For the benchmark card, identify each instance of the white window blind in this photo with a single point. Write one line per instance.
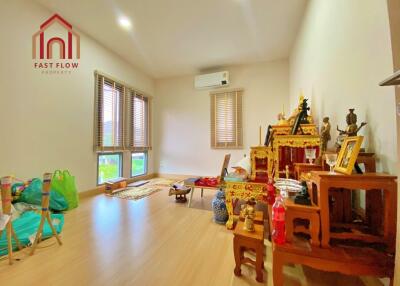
(109, 114)
(122, 117)
(226, 119)
(139, 122)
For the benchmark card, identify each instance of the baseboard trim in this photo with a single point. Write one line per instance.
(139, 178)
(175, 176)
(92, 192)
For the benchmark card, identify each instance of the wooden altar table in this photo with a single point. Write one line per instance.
(322, 181)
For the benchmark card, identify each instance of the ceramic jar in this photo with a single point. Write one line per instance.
(219, 207)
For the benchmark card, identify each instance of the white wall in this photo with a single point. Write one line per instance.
(182, 117)
(46, 121)
(341, 54)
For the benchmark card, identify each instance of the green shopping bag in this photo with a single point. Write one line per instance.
(64, 184)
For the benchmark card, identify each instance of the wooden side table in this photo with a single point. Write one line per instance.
(310, 213)
(244, 240)
(300, 168)
(322, 181)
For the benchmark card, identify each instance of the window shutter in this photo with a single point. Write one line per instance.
(226, 119)
(109, 115)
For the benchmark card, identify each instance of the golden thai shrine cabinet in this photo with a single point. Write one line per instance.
(289, 149)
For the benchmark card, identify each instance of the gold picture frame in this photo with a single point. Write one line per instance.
(348, 154)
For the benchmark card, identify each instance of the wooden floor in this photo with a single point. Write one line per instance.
(153, 241)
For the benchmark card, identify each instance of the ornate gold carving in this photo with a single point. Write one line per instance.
(295, 141)
(241, 190)
(308, 129)
(261, 152)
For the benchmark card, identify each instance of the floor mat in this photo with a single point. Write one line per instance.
(153, 186)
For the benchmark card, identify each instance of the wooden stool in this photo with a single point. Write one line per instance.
(310, 213)
(45, 213)
(244, 240)
(6, 202)
(258, 219)
(115, 184)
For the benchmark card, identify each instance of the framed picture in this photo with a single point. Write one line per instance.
(348, 154)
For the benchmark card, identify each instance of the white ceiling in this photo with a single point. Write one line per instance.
(176, 37)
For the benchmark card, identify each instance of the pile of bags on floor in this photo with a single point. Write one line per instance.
(26, 207)
(63, 193)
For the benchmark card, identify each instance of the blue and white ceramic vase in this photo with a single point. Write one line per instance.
(219, 207)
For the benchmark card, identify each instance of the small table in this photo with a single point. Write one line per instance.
(244, 191)
(192, 185)
(300, 168)
(370, 182)
(244, 240)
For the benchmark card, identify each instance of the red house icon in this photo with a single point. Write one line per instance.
(46, 50)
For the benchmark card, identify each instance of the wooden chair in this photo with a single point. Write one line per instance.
(303, 212)
(45, 213)
(6, 202)
(244, 240)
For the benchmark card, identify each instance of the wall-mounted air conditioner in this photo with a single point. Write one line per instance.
(211, 80)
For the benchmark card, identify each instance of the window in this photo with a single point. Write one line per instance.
(226, 119)
(121, 125)
(109, 121)
(122, 117)
(138, 164)
(109, 166)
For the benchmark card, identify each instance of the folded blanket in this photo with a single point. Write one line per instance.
(26, 226)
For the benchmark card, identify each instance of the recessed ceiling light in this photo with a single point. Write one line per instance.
(125, 23)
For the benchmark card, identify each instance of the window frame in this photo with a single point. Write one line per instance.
(146, 170)
(121, 165)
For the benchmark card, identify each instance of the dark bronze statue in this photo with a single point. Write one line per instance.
(351, 129)
(325, 133)
(302, 117)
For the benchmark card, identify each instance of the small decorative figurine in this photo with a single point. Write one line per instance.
(249, 213)
(282, 117)
(287, 171)
(325, 133)
(351, 129)
(303, 198)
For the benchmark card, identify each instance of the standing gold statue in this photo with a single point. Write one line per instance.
(325, 133)
(351, 129)
(249, 214)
